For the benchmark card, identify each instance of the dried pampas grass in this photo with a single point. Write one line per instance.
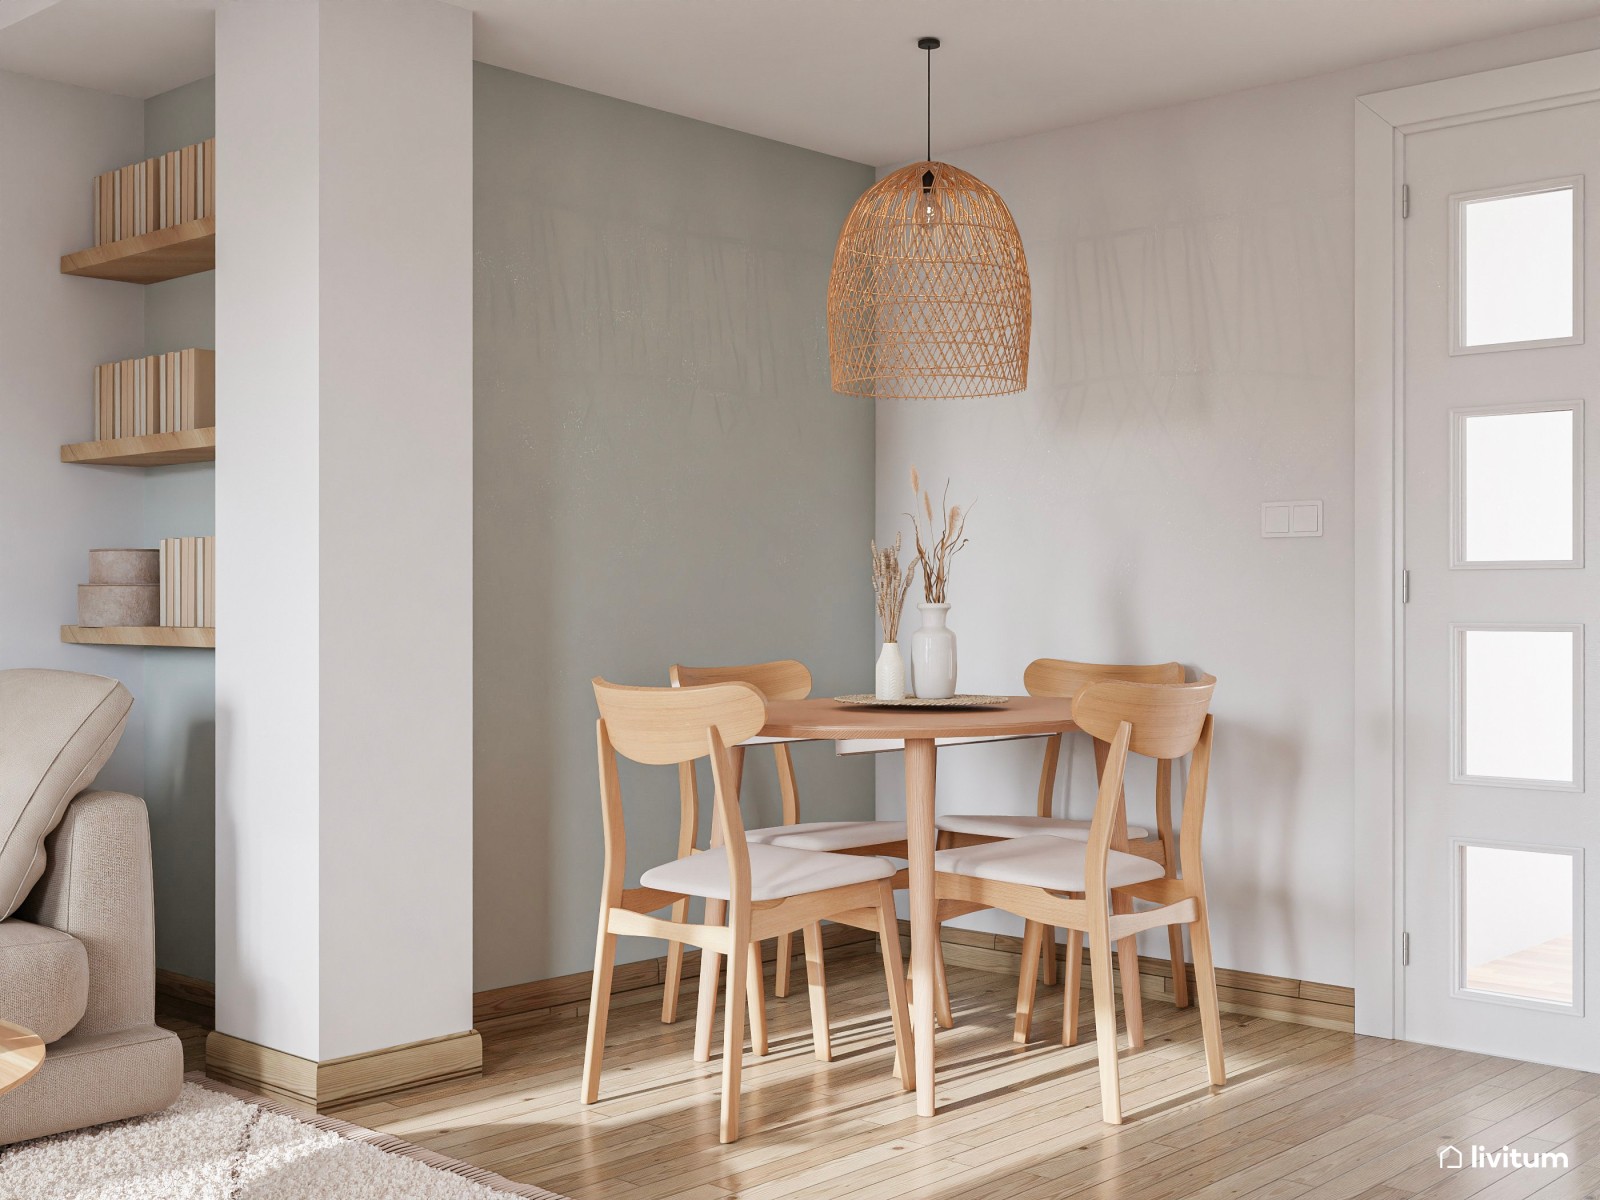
(890, 586)
(934, 556)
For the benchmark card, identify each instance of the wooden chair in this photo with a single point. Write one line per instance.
(1059, 677)
(785, 679)
(767, 890)
(1077, 885)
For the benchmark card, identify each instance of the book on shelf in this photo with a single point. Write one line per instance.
(159, 393)
(188, 573)
(166, 190)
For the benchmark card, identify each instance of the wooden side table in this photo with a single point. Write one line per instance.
(21, 1053)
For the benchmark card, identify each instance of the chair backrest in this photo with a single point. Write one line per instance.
(785, 679)
(1166, 717)
(672, 725)
(1163, 721)
(676, 725)
(1060, 677)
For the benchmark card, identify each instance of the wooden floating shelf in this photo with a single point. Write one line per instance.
(178, 636)
(149, 450)
(169, 253)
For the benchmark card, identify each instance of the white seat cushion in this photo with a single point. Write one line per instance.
(776, 873)
(1042, 861)
(830, 835)
(1003, 826)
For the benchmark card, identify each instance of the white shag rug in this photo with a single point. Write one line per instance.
(219, 1144)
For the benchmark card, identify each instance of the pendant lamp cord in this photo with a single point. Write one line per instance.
(930, 103)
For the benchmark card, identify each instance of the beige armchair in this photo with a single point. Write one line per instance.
(77, 957)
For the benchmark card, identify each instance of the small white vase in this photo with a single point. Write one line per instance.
(933, 655)
(891, 673)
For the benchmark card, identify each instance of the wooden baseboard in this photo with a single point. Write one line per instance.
(552, 997)
(1301, 1002)
(1298, 1001)
(186, 997)
(337, 1081)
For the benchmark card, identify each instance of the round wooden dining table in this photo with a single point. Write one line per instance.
(919, 729)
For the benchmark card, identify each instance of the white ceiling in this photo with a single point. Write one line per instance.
(130, 47)
(845, 76)
(840, 76)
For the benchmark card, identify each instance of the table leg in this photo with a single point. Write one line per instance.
(920, 768)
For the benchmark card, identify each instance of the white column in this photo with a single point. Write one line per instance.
(344, 519)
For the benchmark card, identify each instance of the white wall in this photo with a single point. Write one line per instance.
(54, 328)
(344, 344)
(180, 700)
(1192, 282)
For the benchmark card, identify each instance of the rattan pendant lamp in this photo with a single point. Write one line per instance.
(929, 296)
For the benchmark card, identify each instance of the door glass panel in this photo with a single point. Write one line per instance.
(1517, 711)
(1515, 485)
(1515, 258)
(1516, 922)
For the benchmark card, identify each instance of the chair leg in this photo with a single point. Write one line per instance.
(1128, 961)
(1072, 981)
(817, 989)
(942, 1015)
(669, 997)
(733, 1043)
(755, 997)
(1205, 979)
(1180, 970)
(1027, 982)
(1105, 1024)
(710, 965)
(780, 978)
(894, 973)
(1048, 947)
(605, 957)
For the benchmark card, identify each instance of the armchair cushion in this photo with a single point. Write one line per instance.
(44, 978)
(57, 728)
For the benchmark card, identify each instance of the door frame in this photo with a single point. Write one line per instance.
(1383, 120)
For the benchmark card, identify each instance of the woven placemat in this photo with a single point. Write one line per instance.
(867, 700)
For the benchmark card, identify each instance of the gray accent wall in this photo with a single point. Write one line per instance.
(663, 474)
(180, 685)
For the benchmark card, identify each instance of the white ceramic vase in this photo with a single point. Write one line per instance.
(933, 655)
(891, 673)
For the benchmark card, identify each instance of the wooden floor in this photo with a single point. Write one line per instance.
(1309, 1114)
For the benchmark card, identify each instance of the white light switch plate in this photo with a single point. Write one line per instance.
(1291, 518)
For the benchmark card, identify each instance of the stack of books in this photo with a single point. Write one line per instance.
(189, 581)
(160, 393)
(143, 197)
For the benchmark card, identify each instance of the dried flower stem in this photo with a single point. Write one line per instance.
(890, 586)
(934, 556)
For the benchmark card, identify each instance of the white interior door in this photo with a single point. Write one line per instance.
(1502, 625)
